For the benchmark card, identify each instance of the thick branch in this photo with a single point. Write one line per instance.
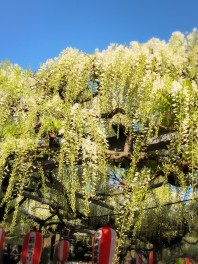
(42, 200)
(58, 186)
(113, 113)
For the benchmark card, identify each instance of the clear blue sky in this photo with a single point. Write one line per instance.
(32, 31)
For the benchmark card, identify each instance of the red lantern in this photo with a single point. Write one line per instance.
(32, 247)
(63, 250)
(187, 260)
(104, 245)
(2, 238)
(151, 257)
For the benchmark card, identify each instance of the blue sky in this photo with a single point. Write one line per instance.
(32, 31)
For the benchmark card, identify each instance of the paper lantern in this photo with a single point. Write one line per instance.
(151, 257)
(104, 245)
(187, 261)
(2, 238)
(32, 247)
(63, 250)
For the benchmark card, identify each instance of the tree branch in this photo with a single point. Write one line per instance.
(113, 112)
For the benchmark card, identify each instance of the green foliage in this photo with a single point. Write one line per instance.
(69, 100)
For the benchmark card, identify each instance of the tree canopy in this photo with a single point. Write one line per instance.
(110, 135)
